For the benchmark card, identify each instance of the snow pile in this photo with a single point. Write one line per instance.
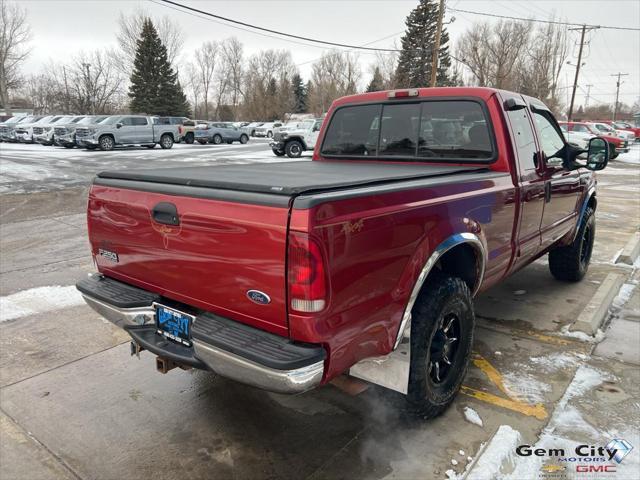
(583, 337)
(38, 300)
(499, 453)
(624, 295)
(556, 361)
(472, 416)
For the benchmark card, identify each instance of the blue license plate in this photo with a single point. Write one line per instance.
(174, 325)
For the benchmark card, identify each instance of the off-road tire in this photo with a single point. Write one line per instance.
(217, 139)
(166, 141)
(293, 149)
(189, 138)
(442, 298)
(244, 139)
(570, 263)
(612, 151)
(106, 143)
(278, 153)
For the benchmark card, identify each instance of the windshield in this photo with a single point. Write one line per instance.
(62, 120)
(27, 120)
(45, 119)
(420, 131)
(110, 120)
(77, 119)
(14, 120)
(604, 128)
(622, 125)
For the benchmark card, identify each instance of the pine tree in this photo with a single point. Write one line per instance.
(377, 82)
(155, 89)
(299, 94)
(414, 64)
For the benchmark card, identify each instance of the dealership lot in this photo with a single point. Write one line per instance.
(76, 405)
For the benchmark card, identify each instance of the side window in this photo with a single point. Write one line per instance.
(550, 140)
(580, 128)
(353, 131)
(127, 121)
(524, 140)
(399, 132)
(139, 121)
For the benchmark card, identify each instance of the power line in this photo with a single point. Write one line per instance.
(538, 20)
(276, 32)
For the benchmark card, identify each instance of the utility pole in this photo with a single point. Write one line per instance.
(584, 29)
(586, 101)
(615, 107)
(436, 46)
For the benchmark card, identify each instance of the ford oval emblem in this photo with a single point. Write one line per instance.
(258, 297)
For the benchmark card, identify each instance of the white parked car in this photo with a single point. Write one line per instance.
(25, 131)
(297, 139)
(251, 128)
(580, 139)
(267, 129)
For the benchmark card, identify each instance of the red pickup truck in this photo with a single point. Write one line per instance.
(288, 275)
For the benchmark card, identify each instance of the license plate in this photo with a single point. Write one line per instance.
(173, 324)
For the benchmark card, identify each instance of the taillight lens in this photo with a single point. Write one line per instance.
(307, 278)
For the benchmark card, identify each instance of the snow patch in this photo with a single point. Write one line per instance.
(624, 295)
(597, 338)
(556, 361)
(472, 416)
(38, 300)
(499, 453)
(525, 387)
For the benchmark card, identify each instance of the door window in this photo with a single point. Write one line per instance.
(551, 140)
(524, 139)
(139, 121)
(127, 121)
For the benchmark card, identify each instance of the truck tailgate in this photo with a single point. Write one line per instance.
(218, 252)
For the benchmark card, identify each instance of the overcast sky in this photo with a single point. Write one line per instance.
(61, 27)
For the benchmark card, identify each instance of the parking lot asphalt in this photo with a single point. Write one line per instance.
(74, 404)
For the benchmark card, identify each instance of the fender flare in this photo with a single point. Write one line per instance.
(591, 193)
(297, 138)
(452, 241)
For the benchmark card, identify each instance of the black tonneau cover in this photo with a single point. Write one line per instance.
(286, 178)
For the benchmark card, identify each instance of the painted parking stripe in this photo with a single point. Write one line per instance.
(38, 300)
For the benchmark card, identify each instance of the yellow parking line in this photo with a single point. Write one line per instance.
(538, 411)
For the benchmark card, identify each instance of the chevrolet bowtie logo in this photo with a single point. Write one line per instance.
(552, 468)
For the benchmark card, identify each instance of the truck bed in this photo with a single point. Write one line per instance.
(283, 178)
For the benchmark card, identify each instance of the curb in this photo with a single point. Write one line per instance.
(631, 250)
(597, 310)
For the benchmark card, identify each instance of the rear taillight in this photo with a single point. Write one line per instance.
(307, 276)
(180, 129)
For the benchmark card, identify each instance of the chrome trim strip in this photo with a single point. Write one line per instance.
(245, 371)
(445, 246)
(121, 316)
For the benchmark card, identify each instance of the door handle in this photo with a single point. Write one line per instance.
(166, 213)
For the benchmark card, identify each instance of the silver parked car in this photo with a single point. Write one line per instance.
(43, 132)
(218, 132)
(128, 130)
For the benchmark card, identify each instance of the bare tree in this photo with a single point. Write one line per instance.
(205, 67)
(386, 65)
(14, 36)
(334, 75)
(232, 56)
(130, 27)
(95, 83)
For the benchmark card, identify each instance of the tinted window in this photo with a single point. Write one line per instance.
(580, 128)
(138, 121)
(399, 132)
(523, 138)
(353, 131)
(454, 130)
(127, 121)
(551, 141)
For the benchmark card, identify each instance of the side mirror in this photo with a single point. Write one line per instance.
(118, 125)
(316, 128)
(598, 154)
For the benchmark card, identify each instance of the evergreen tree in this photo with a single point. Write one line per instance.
(299, 94)
(377, 82)
(414, 64)
(155, 89)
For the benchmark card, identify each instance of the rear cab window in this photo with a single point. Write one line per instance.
(419, 131)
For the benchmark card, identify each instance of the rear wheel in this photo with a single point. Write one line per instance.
(293, 149)
(217, 139)
(243, 139)
(278, 153)
(106, 143)
(166, 141)
(570, 263)
(612, 151)
(188, 138)
(269, 134)
(442, 327)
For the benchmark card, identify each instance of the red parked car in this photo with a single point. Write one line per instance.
(619, 125)
(285, 276)
(616, 144)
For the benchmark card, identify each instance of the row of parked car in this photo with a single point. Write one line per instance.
(619, 134)
(108, 131)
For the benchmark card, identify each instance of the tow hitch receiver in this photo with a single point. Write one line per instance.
(163, 365)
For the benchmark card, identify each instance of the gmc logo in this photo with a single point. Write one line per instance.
(596, 468)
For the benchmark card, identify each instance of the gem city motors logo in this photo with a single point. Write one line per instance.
(586, 458)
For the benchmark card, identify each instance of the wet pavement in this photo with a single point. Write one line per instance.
(74, 404)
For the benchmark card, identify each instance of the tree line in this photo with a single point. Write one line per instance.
(144, 72)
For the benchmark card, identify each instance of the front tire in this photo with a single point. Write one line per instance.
(106, 143)
(189, 138)
(570, 263)
(166, 141)
(244, 139)
(217, 139)
(442, 327)
(293, 149)
(277, 153)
